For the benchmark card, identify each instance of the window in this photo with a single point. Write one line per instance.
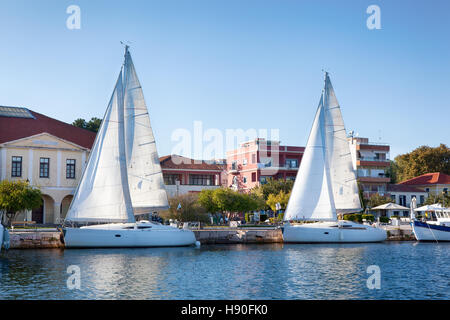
(201, 180)
(422, 199)
(292, 163)
(234, 165)
(44, 168)
(263, 179)
(170, 179)
(253, 158)
(16, 167)
(393, 197)
(244, 162)
(253, 176)
(427, 189)
(70, 169)
(245, 179)
(402, 200)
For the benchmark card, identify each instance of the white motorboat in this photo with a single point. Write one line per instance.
(434, 230)
(326, 184)
(122, 179)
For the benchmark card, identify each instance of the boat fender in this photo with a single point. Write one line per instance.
(197, 244)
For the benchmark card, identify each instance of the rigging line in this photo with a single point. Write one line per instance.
(143, 144)
(134, 108)
(345, 154)
(432, 232)
(143, 178)
(139, 87)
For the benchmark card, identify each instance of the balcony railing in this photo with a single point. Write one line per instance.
(372, 159)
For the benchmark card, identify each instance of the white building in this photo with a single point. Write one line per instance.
(50, 154)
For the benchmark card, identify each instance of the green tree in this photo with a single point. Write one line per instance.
(190, 210)
(92, 125)
(443, 199)
(391, 172)
(273, 186)
(422, 160)
(206, 200)
(16, 196)
(80, 123)
(377, 200)
(228, 200)
(282, 198)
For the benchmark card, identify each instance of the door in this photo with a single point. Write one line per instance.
(38, 214)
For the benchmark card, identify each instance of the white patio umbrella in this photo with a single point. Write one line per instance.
(390, 206)
(430, 207)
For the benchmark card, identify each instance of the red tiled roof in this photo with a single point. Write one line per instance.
(428, 178)
(402, 188)
(17, 128)
(179, 162)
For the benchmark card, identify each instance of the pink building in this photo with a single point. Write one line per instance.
(256, 161)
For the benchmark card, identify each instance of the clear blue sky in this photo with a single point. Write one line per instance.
(237, 64)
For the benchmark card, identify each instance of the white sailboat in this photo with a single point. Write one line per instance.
(326, 184)
(122, 179)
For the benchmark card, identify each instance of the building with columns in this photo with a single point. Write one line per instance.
(50, 154)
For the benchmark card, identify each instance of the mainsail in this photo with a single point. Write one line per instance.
(102, 194)
(311, 197)
(343, 176)
(123, 176)
(326, 181)
(145, 178)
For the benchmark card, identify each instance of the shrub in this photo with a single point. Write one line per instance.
(368, 217)
(190, 210)
(356, 217)
(384, 219)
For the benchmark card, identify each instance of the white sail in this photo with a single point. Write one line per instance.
(103, 194)
(311, 197)
(146, 183)
(343, 176)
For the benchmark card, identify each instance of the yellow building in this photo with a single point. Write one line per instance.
(50, 154)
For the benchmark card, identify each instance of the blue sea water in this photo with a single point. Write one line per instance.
(408, 270)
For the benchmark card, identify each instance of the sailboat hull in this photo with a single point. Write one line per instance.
(332, 232)
(127, 236)
(424, 231)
